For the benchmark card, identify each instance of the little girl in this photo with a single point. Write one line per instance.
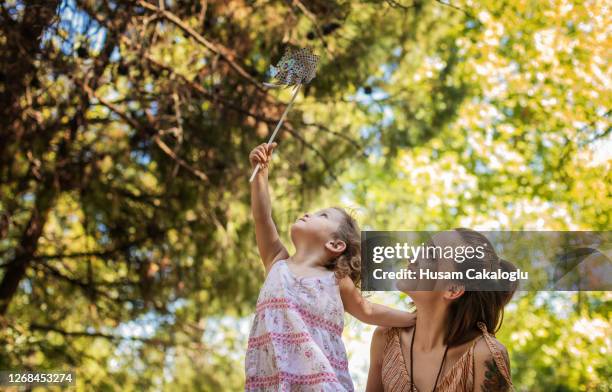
(295, 342)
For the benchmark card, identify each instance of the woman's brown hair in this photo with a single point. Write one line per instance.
(349, 262)
(478, 305)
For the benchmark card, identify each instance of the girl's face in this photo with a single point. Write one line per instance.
(316, 228)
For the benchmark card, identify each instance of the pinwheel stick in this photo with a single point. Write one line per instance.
(295, 68)
(296, 89)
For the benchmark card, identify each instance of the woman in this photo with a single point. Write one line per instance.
(450, 348)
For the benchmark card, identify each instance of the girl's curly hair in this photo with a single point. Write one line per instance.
(349, 262)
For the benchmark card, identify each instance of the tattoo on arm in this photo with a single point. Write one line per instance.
(494, 381)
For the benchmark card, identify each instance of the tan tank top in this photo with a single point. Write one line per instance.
(460, 377)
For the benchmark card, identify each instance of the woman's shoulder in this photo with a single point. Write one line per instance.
(386, 331)
(383, 335)
(381, 332)
(492, 364)
(385, 341)
(491, 358)
(487, 348)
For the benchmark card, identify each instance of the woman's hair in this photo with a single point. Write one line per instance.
(478, 305)
(349, 262)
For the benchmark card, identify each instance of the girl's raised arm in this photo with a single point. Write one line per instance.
(268, 242)
(371, 313)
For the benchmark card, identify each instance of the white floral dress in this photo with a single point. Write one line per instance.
(295, 342)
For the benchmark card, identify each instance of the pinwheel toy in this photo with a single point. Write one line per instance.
(295, 68)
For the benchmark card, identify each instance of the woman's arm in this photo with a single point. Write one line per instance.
(376, 357)
(268, 242)
(487, 375)
(371, 313)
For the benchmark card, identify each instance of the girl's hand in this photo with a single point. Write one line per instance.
(409, 319)
(262, 155)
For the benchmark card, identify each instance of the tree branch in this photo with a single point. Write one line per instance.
(324, 128)
(313, 19)
(457, 8)
(136, 125)
(215, 48)
(395, 4)
(326, 163)
(78, 334)
(101, 253)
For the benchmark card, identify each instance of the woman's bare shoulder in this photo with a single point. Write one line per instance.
(380, 334)
(491, 366)
(483, 353)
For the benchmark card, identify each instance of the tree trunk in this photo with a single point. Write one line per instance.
(18, 53)
(17, 65)
(16, 269)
